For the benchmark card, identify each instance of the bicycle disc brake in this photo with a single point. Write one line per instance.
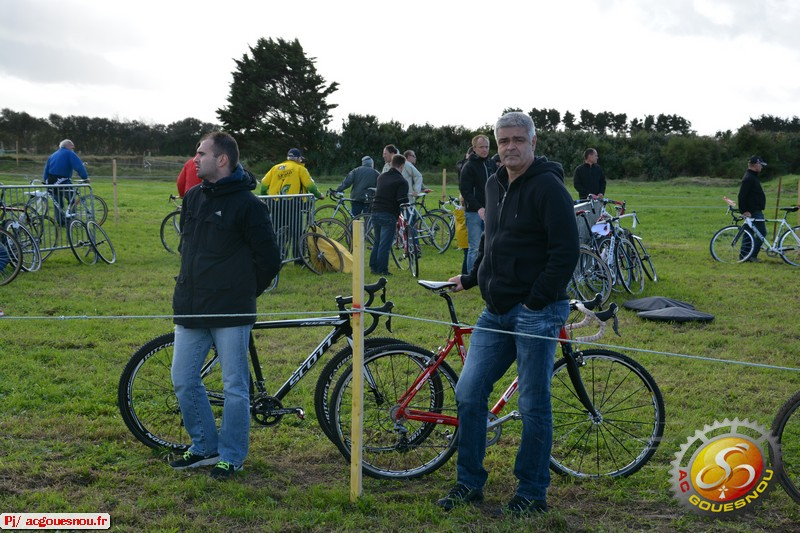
(268, 410)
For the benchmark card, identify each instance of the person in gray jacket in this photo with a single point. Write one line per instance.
(361, 179)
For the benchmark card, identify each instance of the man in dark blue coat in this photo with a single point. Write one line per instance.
(228, 257)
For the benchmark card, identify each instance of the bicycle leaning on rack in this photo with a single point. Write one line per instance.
(734, 243)
(608, 412)
(150, 409)
(786, 428)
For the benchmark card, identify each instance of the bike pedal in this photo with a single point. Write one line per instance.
(301, 414)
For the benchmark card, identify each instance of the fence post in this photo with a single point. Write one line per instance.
(114, 182)
(357, 321)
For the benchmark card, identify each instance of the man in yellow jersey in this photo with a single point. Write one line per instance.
(290, 178)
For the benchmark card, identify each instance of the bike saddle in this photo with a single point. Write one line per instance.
(436, 285)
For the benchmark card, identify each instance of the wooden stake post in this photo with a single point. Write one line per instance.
(357, 321)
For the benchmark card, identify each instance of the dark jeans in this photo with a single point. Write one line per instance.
(62, 196)
(761, 225)
(384, 226)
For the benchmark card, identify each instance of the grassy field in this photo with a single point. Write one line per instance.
(71, 328)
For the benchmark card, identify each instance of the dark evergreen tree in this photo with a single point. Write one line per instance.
(277, 101)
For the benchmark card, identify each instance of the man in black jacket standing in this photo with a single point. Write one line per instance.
(472, 184)
(228, 257)
(526, 257)
(390, 194)
(752, 202)
(589, 178)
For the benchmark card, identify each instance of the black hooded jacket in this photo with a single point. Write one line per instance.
(472, 181)
(228, 253)
(529, 248)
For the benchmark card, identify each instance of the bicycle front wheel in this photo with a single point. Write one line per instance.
(171, 232)
(629, 424)
(591, 277)
(30, 259)
(630, 266)
(647, 261)
(395, 447)
(790, 246)
(729, 243)
(101, 242)
(786, 427)
(339, 363)
(320, 254)
(146, 396)
(336, 230)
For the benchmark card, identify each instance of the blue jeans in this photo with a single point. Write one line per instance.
(474, 232)
(384, 226)
(191, 348)
(761, 226)
(490, 355)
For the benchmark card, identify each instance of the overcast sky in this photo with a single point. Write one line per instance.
(716, 63)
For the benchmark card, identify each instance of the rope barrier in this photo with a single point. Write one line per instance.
(298, 314)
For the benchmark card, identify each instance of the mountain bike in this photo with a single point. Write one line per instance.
(734, 243)
(786, 428)
(608, 412)
(147, 401)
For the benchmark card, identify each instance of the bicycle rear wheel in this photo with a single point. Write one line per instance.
(630, 423)
(786, 427)
(171, 232)
(81, 243)
(790, 246)
(392, 447)
(335, 211)
(10, 254)
(728, 243)
(146, 396)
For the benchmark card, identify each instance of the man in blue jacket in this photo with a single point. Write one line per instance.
(58, 171)
(526, 257)
(228, 257)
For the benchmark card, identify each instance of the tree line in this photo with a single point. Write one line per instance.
(278, 100)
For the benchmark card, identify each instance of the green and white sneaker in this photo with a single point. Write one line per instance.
(224, 470)
(192, 460)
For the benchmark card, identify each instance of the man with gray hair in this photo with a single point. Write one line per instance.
(362, 179)
(58, 171)
(525, 259)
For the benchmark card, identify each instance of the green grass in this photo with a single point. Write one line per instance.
(64, 447)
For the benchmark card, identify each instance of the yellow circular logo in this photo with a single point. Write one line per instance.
(728, 467)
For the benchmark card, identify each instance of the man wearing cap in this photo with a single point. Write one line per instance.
(290, 178)
(752, 202)
(361, 179)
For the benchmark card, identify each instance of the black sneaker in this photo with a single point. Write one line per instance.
(460, 495)
(519, 506)
(192, 460)
(224, 470)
